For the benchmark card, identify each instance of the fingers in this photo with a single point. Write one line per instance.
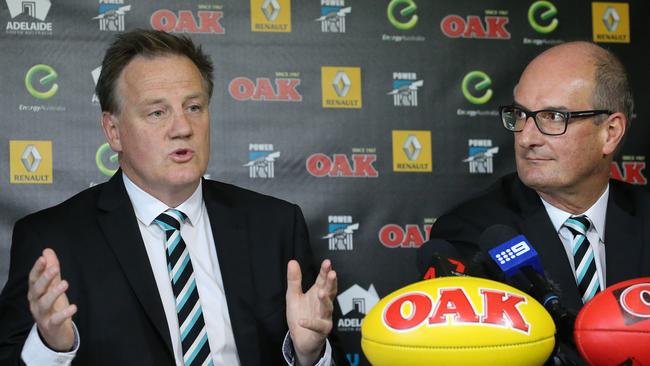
(47, 300)
(320, 326)
(325, 267)
(60, 317)
(44, 279)
(294, 278)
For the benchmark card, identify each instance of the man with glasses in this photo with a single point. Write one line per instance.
(572, 107)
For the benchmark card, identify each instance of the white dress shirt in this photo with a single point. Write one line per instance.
(197, 234)
(596, 234)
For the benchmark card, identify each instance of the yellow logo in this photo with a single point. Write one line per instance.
(412, 151)
(271, 15)
(30, 162)
(611, 22)
(341, 87)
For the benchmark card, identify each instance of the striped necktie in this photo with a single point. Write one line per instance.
(194, 338)
(584, 261)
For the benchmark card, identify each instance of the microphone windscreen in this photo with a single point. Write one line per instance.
(496, 235)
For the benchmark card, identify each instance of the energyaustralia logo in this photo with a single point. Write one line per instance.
(106, 160)
(405, 89)
(111, 15)
(28, 10)
(261, 160)
(355, 303)
(340, 232)
(480, 156)
(333, 14)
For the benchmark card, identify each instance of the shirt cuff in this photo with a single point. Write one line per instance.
(289, 356)
(35, 352)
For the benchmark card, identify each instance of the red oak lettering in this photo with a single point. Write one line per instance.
(320, 165)
(455, 26)
(453, 301)
(166, 20)
(632, 172)
(393, 236)
(420, 309)
(454, 305)
(500, 308)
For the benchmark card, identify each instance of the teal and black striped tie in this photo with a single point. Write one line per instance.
(194, 338)
(583, 257)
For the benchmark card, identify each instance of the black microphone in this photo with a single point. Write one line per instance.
(520, 266)
(439, 258)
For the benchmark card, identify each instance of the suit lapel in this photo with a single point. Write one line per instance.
(623, 237)
(119, 225)
(539, 230)
(229, 227)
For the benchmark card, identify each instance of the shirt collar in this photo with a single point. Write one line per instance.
(147, 207)
(596, 213)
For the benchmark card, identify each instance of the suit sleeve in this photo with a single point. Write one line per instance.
(15, 318)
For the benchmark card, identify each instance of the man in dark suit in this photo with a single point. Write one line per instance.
(571, 109)
(159, 266)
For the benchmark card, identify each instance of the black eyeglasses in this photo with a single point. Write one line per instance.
(548, 121)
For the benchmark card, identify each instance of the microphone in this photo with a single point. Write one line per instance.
(439, 258)
(520, 266)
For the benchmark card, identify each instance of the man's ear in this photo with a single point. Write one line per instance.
(615, 126)
(110, 125)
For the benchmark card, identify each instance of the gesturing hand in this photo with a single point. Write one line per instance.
(49, 304)
(309, 315)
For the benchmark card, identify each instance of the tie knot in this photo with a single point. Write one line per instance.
(578, 224)
(171, 219)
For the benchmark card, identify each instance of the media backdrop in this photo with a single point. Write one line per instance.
(375, 116)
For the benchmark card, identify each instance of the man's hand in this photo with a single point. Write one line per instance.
(309, 315)
(49, 304)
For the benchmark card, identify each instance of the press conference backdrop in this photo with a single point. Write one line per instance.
(374, 116)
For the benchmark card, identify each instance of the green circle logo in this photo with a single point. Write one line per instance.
(409, 9)
(105, 151)
(50, 76)
(548, 11)
(481, 81)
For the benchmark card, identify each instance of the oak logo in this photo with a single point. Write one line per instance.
(630, 170)
(30, 162)
(491, 26)
(271, 16)
(206, 21)
(284, 88)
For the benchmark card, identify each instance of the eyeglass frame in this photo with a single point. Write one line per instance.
(567, 116)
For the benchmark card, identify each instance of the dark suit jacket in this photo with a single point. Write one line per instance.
(120, 315)
(510, 202)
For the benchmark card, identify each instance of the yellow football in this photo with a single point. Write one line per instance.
(464, 321)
